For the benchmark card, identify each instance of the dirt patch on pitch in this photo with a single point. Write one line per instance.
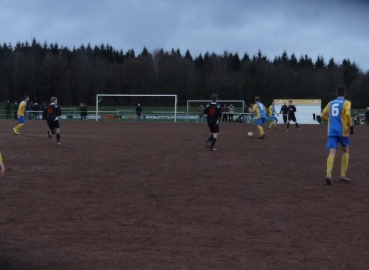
(150, 196)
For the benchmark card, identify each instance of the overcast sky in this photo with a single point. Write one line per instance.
(332, 28)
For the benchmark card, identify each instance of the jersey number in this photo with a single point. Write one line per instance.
(335, 109)
(212, 112)
(49, 110)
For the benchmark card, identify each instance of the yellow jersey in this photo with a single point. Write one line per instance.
(22, 108)
(337, 113)
(259, 110)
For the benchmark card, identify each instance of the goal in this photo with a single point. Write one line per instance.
(193, 107)
(171, 114)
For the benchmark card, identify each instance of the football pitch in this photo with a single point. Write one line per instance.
(119, 195)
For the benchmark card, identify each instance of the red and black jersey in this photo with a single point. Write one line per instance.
(291, 110)
(213, 112)
(52, 112)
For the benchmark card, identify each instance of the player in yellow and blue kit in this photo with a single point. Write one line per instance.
(337, 113)
(259, 110)
(21, 118)
(2, 168)
(272, 117)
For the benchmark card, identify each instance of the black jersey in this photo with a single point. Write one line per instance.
(291, 110)
(213, 112)
(52, 112)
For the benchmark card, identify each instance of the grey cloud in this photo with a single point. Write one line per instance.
(335, 29)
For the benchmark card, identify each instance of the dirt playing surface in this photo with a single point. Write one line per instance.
(150, 196)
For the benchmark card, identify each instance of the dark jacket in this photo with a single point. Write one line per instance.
(8, 107)
(284, 109)
(138, 110)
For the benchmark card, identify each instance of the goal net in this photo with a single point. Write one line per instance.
(195, 108)
(122, 107)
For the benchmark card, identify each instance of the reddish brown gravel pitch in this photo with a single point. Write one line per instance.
(150, 196)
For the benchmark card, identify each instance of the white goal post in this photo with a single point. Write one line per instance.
(98, 99)
(218, 101)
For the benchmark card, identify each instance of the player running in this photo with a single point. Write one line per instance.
(213, 111)
(337, 113)
(2, 167)
(273, 118)
(20, 115)
(259, 110)
(51, 114)
(291, 116)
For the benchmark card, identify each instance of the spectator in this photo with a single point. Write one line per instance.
(231, 112)
(225, 113)
(367, 115)
(245, 111)
(138, 112)
(200, 110)
(251, 113)
(29, 108)
(43, 108)
(7, 110)
(15, 110)
(356, 118)
(83, 111)
(36, 108)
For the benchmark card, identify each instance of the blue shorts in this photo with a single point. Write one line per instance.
(332, 141)
(273, 117)
(21, 119)
(260, 121)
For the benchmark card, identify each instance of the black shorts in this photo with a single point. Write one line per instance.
(53, 124)
(292, 118)
(214, 128)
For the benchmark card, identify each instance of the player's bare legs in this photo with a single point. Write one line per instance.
(212, 140)
(17, 129)
(330, 160)
(57, 136)
(288, 125)
(2, 167)
(344, 164)
(53, 132)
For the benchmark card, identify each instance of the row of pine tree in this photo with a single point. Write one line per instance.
(78, 74)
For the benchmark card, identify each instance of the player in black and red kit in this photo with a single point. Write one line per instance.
(213, 111)
(291, 115)
(51, 114)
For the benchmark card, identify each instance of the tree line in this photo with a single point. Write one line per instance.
(78, 74)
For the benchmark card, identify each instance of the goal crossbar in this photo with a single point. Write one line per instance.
(132, 95)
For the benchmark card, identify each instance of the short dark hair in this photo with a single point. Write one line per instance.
(53, 99)
(214, 97)
(341, 91)
(25, 97)
(257, 99)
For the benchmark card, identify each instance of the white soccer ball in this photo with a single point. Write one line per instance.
(250, 134)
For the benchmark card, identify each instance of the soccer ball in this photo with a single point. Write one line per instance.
(250, 134)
